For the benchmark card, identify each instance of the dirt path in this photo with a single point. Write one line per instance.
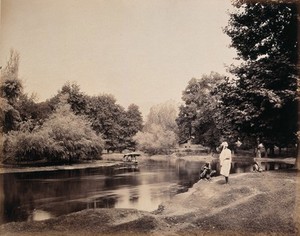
(252, 204)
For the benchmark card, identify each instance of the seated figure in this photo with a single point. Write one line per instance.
(206, 172)
(257, 167)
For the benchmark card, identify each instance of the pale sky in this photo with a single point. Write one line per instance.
(141, 51)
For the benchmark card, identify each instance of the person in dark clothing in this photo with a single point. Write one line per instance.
(206, 172)
(257, 167)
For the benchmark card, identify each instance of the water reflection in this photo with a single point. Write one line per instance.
(39, 215)
(43, 195)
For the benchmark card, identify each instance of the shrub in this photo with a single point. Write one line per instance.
(71, 137)
(64, 137)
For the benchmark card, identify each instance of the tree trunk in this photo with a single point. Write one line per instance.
(298, 156)
(297, 163)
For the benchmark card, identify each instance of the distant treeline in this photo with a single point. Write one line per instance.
(69, 127)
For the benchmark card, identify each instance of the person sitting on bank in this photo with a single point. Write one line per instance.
(257, 167)
(206, 172)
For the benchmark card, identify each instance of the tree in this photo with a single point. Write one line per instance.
(156, 140)
(11, 88)
(132, 122)
(262, 101)
(198, 117)
(106, 118)
(135, 120)
(163, 114)
(74, 97)
(159, 134)
(32, 114)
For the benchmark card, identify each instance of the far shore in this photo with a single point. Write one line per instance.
(115, 159)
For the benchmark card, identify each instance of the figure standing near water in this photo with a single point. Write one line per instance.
(225, 161)
(261, 151)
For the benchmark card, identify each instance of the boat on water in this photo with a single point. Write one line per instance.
(131, 157)
(130, 163)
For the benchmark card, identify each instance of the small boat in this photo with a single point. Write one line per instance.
(131, 157)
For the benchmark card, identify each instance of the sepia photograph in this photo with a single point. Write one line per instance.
(149, 117)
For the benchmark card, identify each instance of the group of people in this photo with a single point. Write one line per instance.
(225, 159)
(225, 164)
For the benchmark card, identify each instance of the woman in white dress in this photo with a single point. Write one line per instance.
(225, 161)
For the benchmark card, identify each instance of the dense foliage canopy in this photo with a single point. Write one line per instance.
(63, 137)
(116, 125)
(11, 89)
(261, 102)
(199, 118)
(69, 127)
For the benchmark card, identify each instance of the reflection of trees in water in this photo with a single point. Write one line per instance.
(120, 180)
(133, 195)
(63, 192)
(188, 173)
(103, 202)
(276, 165)
(241, 167)
(12, 201)
(24, 192)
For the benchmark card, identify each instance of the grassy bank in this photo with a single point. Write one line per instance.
(252, 204)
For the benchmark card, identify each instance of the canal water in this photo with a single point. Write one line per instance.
(33, 196)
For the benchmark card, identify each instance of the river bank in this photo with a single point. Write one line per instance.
(108, 160)
(252, 204)
(115, 159)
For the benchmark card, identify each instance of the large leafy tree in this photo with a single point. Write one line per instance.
(159, 134)
(31, 113)
(199, 118)
(106, 117)
(261, 102)
(164, 115)
(72, 94)
(132, 122)
(11, 88)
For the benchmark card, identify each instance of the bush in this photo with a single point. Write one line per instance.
(71, 137)
(64, 137)
(29, 146)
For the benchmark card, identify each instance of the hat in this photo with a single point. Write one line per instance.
(224, 144)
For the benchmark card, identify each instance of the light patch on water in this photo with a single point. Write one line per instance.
(39, 215)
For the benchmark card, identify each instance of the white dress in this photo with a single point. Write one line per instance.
(225, 162)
